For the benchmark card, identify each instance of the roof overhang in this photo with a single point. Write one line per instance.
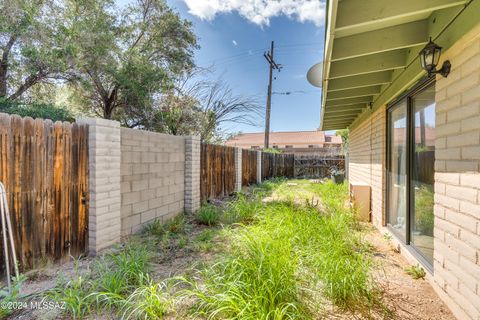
(371, 50)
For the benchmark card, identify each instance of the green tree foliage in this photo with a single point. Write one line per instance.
(195, 106)
(344, 133)
(272, 150)
(36, 110)
(126, 57)
(33, 46)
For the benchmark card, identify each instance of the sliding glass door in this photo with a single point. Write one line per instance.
(410, 169)
(423, 163)
(397, 175)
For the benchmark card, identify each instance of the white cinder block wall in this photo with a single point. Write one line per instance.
(457, 178)
(367, 160)
(152, 177)
(456, 276)
(104, 222)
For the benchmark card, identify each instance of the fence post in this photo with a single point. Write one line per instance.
(104, 218)
(238, 169)
(192, 174)
(259, 166)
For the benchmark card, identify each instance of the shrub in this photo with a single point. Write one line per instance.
(176, 225)
(37, 110)
(155, 228)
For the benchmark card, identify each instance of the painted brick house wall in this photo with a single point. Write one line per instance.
(367, 159)
(457, 178)
(456, 275)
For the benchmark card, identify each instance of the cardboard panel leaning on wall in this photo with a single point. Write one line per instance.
(152, 178)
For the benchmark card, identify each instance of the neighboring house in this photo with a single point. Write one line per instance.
(297, 142)
(414, 139)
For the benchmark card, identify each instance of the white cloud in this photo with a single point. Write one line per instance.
(234, 43)
(260, 11)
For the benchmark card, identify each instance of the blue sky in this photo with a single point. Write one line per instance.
(233, 34)
(234, 45)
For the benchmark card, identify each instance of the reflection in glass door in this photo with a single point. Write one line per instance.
(410, 170)
(397, 173)
(422, 167)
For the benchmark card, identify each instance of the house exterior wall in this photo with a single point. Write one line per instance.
(367, 160)
(457, 178)
(152, 177)
(456, 275)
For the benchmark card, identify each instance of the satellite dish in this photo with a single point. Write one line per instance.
(314, 75)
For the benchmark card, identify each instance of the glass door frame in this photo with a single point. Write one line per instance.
(410, 134)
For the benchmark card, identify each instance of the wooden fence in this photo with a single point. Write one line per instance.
(277, 165)
(316, 167)
(44, 167)
(249, 167)
(217, 171)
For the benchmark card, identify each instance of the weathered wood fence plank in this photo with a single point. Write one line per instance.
(249, 167)
(217, 171)
(44, 167)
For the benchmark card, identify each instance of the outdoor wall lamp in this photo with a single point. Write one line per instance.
(429, 57)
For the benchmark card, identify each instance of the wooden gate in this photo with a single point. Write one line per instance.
(44, 167)
(277, 165)
(249, 167)
(217, 171)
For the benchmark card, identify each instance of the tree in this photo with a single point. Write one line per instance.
(344, 133)
(127, 57)
(34, 47)
(197, 106)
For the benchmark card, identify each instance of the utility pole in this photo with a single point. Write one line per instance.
(272, 65)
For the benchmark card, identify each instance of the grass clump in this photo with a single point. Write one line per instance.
(243, 209)
(416, 272)
(148, 301)
(208, 214)
(108, 286)
(74, 295)
(13, 296)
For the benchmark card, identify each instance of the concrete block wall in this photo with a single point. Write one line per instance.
(259, 166)
(457, 179)
(104, 183)
(238, 169)
(192, 174)
(367, 160)
(152, 178)
(456, 274)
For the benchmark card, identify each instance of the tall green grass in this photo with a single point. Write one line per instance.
(278, 265)
(282, 260)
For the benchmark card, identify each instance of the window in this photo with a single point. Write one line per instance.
(410, 169)
(289, 146)
(275, 146)
(255, 147)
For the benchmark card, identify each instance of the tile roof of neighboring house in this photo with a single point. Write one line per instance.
(284, 138)
(429, 135)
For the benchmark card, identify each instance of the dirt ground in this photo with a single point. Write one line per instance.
(409, 298)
